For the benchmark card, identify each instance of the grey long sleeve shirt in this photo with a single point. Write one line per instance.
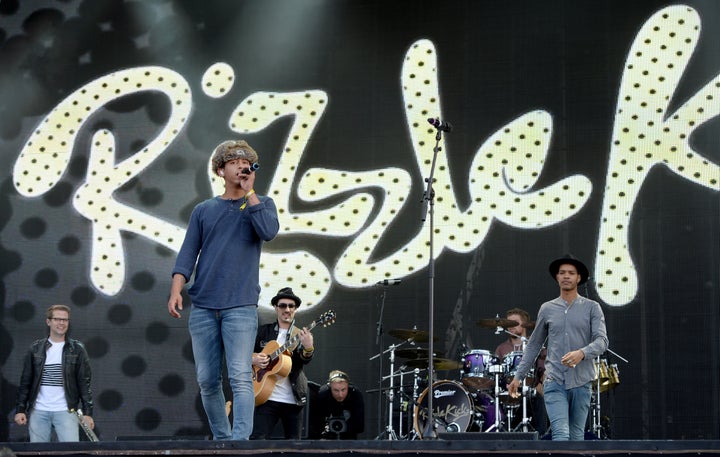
(567, 327)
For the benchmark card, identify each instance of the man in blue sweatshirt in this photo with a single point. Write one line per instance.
(222, 246)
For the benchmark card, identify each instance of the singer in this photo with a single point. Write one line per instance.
(223, 240)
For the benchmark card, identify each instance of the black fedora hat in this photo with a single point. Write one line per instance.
(569, 259)
(286, 292)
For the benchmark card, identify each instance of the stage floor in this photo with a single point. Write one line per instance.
(460, 445)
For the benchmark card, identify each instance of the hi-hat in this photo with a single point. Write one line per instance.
(438, 363)
(416, 353)
(417, 335)
(497, 322)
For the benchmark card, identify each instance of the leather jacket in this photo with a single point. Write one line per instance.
(76, 375)
(298, 379)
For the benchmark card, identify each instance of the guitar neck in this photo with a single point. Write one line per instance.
(290, 342)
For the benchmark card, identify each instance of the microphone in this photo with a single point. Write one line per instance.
(253, 167)
(389, 282)
(438, 124)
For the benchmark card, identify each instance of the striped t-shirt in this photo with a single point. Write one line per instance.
(51, 396)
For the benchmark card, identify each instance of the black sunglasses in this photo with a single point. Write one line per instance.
(286, 305)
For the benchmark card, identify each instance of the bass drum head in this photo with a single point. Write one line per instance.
(452, 408)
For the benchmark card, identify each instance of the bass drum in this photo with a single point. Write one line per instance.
(452, 408)
(486, 414)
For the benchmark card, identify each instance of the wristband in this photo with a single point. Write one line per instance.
(309, 350)
(249, 193)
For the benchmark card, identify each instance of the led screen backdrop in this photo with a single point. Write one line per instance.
(582, 127)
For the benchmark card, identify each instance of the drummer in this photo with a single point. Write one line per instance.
(514, 343)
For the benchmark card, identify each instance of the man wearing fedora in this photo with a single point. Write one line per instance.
(574, 327)
(289, 393)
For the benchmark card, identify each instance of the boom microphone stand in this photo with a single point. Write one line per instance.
(428, 200)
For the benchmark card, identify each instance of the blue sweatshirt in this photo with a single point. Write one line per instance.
(226, 243)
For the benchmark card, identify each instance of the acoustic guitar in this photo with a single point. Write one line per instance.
(264, 379)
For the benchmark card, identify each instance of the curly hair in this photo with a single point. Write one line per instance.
(231, 150)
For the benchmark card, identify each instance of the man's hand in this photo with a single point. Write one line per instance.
(20, 419)
(306, 338)
(572, 358)
(513, 388)
(175, 304)
(260, 360)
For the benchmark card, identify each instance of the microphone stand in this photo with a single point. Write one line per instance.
(378, 339)
(428, 204)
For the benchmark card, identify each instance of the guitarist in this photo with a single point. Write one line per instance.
(289, 394)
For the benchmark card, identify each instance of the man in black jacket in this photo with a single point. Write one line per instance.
(55, 381)
(288, 393)
(339, 410)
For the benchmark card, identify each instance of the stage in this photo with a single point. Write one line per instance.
(461, 444)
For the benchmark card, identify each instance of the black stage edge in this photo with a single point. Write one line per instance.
(457, 447)
(489, 436)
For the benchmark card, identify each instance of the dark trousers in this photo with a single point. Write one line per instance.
(269, 414)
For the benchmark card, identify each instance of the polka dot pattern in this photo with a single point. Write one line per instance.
(503, 173)
(645, 134)
(218, 79)
(46, 155)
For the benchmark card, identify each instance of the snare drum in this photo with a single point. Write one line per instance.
(475, 373)
(452, 408)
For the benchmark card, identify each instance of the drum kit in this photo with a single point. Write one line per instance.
(478, 401)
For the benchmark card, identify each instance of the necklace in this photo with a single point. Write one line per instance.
(244, 202)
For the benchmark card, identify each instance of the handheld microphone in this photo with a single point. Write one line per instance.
(389, 282)
(438, 124)
(253, 167)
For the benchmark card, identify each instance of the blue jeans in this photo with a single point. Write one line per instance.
(40, 424)
(567, 410)
(230, 332)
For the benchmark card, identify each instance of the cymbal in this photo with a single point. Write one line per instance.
(497, 322)
(418, 335)
(416, 353)
(438, 363)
